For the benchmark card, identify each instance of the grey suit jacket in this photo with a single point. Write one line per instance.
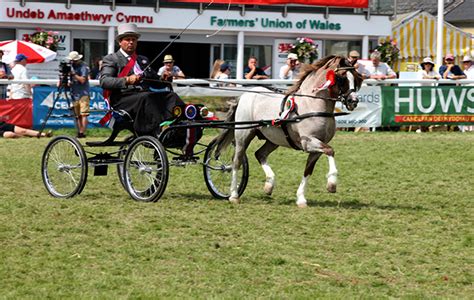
(112, 65)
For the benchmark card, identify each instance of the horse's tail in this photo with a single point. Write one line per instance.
(226, 137)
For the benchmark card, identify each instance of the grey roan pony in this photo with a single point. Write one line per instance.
(314, 93)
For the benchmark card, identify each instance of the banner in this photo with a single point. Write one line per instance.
(428, 105)
(17, 112)
(62, 116)
(368, 112)
(340, 3)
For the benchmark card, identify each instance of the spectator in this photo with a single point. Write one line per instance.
(95, 70)
(468, 67)
(216, 68)
(80, 91)
(353, 59)
(377, 69)
(451, 70)
(20, 90)
(11, 131)
(224, 73)
(169, 71)
(289, 71)
(252, 71)
(5, 73)
(427, 71)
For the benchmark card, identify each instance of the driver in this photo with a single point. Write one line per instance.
(122, 76)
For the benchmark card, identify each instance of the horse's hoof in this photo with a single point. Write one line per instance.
(234, 200)
(302, 205)
(331, 187)
(268, 188)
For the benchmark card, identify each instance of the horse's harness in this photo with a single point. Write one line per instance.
(344, 98)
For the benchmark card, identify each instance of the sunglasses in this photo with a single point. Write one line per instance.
(354, 57)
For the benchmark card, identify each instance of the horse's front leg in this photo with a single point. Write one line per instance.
(315, 147)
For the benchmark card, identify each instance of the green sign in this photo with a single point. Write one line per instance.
(316, 25)
(427, 105)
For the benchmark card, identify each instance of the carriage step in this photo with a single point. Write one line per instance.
(182, 161)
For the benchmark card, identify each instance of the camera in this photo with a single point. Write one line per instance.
(65, 68)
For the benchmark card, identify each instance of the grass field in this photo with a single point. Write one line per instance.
(401, 225)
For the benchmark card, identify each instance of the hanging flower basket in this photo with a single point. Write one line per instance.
(388, 51)
(306, 50)
(47, 39)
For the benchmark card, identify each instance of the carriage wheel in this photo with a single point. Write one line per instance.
(218, 171)
(121, 155)
(64, 167)
(145, 169)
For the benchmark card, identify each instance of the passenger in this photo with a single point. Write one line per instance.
(252, 71)
(10, 131)
(123, 74)
(170, 71)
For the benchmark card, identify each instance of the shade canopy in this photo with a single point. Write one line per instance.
(415, 34)
(36, 54)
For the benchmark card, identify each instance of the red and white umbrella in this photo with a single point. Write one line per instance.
(36, 54)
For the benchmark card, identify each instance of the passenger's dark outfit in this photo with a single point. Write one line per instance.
(148, 109)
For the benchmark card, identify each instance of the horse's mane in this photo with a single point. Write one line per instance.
(307, 69)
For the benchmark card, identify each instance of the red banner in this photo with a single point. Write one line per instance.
(340, 3)
(17, 112)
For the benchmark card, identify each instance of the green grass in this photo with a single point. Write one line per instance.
(400, 226)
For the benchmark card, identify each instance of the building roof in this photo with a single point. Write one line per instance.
(431, 6)
(461, 13)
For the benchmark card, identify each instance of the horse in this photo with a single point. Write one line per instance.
(314, 97)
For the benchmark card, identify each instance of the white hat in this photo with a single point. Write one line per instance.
(292, 56)
(127, 29)
(466, 58)
(74, 55)
(427, 60)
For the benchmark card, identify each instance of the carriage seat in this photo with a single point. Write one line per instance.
(120, 120)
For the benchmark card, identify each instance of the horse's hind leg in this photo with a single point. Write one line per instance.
(308, 171)
(261, 155)
(243, 137)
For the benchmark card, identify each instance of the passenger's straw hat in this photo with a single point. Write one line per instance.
(168, 58)
(126, 30)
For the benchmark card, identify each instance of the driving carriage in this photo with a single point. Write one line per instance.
(142, 162)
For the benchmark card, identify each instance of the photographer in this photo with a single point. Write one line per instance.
(79, 74)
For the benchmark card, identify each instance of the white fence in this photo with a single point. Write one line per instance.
(200, 87)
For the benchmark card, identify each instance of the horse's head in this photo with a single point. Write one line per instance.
(331, 77)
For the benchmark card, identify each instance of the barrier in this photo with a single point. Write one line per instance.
(379, 104)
